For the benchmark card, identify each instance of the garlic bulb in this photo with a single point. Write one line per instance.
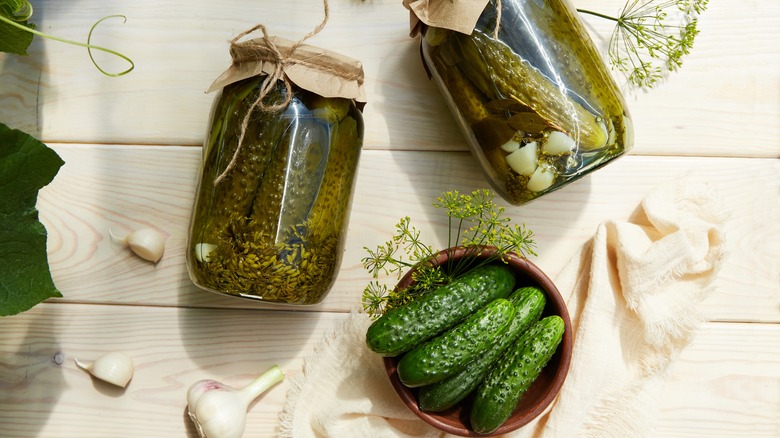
(219, 410)
(147, 243)
(115, 368)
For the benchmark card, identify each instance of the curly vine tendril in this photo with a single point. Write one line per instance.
(25, 12)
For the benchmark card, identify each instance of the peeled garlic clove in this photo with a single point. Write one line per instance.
(147, 243)
(203, 251)
(558, 143)
(524, 160)
(510, 146)
(542, 178)
(115, 368)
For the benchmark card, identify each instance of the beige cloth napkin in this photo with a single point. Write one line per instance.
(633, 292)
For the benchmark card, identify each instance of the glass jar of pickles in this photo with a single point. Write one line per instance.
(271, 227)
(536, 102)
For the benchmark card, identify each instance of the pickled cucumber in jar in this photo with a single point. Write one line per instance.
(273, 227)
(537, 103)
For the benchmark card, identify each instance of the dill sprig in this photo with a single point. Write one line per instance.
(651, 37)
(474, 220)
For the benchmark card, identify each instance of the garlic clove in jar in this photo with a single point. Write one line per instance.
(558, 143)
(542, 178)
(203, 251)
(524, 160)
(510, 146)
(147, 243)
(115, 368)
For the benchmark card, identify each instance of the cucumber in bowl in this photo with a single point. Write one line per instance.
(455, 418)
(403, 328)
(529, 303)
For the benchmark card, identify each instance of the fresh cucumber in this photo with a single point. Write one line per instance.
(498, 395)
(450, 352)
(529, 303)
(403, 328)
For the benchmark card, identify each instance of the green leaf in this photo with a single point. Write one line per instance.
(26, 165)
(13, 39)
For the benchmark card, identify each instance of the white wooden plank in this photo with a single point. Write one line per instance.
(713, 106)
(171, 349)
(104, 188)
(723, 103)
(725, 383)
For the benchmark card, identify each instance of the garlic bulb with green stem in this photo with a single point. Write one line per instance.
(219, 410)
(115, 368)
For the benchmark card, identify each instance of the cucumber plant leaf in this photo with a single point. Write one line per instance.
(13, 39)
(26, 165)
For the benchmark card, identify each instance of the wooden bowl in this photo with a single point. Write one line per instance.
(539, 396)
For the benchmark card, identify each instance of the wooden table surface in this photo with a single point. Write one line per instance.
(132, 150)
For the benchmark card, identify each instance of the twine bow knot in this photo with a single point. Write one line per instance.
(264, 49)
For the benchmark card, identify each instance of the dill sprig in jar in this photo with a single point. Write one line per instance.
(279, 165)
(536, 102)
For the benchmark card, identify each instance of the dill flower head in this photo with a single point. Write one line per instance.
(651, 37)
(474, 220)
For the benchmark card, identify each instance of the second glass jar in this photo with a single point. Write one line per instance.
(536, 102)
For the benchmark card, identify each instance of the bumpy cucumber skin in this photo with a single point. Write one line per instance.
(405, 327)
(529, 303)
(450, 352)
(498, 396)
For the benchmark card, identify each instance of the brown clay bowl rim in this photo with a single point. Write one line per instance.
(440, 420)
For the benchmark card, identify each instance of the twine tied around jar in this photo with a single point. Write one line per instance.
(264, 49)
(498, 19)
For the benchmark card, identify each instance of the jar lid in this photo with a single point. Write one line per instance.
(458, 15)
(314, 69)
